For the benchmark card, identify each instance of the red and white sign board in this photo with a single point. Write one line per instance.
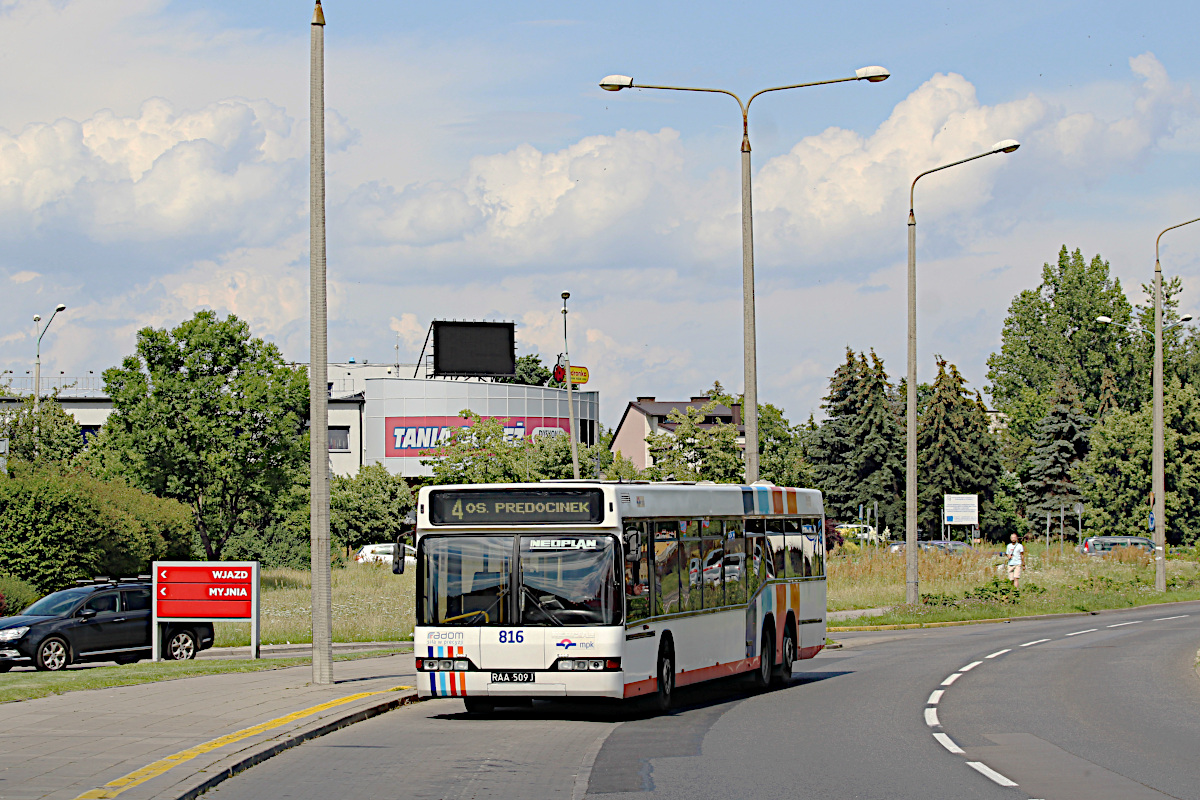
(206, 591)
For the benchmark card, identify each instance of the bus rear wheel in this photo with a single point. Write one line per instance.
(766, 663)
(479, 705)
(784, 675)
(666, 678)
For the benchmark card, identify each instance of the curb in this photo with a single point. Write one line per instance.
(917, 625)
(299, 738)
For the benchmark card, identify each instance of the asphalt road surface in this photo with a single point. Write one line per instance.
(1091, 707)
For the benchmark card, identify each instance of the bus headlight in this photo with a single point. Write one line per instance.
(461, 664)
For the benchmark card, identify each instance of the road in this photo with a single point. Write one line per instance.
(1101, 706)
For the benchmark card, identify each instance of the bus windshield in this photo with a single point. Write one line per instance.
(466, 580)
(568, 580)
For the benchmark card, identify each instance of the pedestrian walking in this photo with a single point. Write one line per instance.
(1016, 560)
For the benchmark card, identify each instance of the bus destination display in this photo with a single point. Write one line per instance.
(502, 506)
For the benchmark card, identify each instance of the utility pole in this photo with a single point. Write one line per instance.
(318, 368)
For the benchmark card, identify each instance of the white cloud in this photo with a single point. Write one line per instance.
(24, 276)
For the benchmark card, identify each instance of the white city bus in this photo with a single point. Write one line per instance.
(620, 590)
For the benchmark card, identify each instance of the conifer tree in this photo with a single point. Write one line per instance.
(956, 450)
(1060, 443)
(831, 446)
(877, 462)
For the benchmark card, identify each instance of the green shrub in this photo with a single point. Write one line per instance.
(16, 595)
(56, 528)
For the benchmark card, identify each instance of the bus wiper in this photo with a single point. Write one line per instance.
(545, 611)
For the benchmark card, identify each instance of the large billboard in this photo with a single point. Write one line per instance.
(414, 436)
(474, 349)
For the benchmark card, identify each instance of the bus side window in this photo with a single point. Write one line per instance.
(637, 581)
(737, 563)
(775, 537)
(666, 569)
(814, 545)
(712, 568)
(799, 562)
(689, 572)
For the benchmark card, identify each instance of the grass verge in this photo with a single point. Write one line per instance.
(969, 587)
(370, 604)
(30, 685)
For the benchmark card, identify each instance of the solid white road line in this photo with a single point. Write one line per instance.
(1119, 624)
(936, 697)
(1000, 652)
(1177, 616)
(931, 718)
(948, 743)
(984, 769)
(1089, 630)
(1030, 644)
(970, 666)
(950, 681)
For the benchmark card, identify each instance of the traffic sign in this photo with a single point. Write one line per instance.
(1151, 520)
(206, 590)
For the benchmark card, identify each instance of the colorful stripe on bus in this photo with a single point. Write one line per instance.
(770, 500)
(447, 684)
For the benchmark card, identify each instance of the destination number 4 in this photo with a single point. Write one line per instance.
(472, 508)
(512, 637)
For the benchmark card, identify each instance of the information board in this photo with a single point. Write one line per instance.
(961, 509)
(206, 591)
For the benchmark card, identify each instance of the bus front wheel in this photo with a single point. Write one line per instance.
(666, 677)
(766, 662)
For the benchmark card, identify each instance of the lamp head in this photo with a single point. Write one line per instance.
(565, 295)
(615, 83)
(59, 307)
(872, 74)
(37, 317)
(1186, 318)
(1104, 320)
(1005, 146)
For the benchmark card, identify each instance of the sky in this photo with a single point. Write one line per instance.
(154, 162)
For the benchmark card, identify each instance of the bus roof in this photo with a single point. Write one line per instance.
(676, 499)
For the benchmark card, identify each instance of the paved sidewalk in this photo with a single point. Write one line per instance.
(291, 650)
(63, 746)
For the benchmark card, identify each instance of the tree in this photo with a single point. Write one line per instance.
(369, 507)
(530, 371)
(695, 450)
(213, 417)
(781, 450)
(481, 452)
(1116, 474)
(830, 449)
(957, 453)
(1060, 443)
(876, 465)
(47, 435)
(1052, 328)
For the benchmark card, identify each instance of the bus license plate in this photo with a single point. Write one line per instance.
(512, 677)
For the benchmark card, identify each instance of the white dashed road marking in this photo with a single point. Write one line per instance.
(931, 718)
(1177, 616)
(936, 697)
(984, 769)
(1000, 652)
(1119, 624)
(1030, 644)
(1089, 630)
(948, 743)
(970, 666)
(950, 681)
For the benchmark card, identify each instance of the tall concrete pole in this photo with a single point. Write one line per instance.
(750, 354)
(318, 368)
(911, 560)
(570, 401)
(911, 593)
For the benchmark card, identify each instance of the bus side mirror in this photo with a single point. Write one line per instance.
(398, 556)
(633, 547)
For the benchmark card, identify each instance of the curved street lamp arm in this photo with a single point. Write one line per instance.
(797, 86)
(741, 105)
(913, 189)
(1173, 227)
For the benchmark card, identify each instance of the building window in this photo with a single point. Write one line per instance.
(339, 439)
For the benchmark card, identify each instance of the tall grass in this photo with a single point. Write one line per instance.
(370, 604)
(973, 586)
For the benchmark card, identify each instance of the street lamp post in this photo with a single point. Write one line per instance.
(570, 402)
(615, 83)
(911, 593)
(37, 361)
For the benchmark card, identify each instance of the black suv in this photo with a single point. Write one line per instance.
(101, 620)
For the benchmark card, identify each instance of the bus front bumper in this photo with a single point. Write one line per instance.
(546, 683)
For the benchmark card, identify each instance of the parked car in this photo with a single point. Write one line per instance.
(1099, 545)
(382, 554)
(951, 546)
(922, 545)
(99, 621)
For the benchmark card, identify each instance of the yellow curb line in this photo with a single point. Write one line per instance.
(915, 625)
(140, 776)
